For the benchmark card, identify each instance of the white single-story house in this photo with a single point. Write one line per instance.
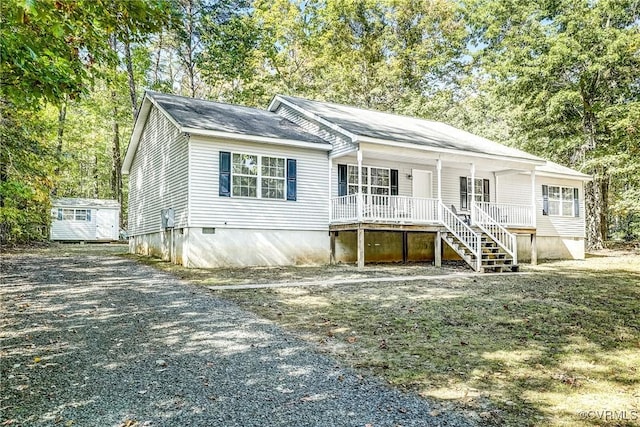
(87, 220)
(304, 182)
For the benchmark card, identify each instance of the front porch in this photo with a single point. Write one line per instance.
(384, 209)
(484, 238)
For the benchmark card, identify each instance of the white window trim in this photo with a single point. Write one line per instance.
(368, 185)
(258, 177)
(561, 201)
(75, 214)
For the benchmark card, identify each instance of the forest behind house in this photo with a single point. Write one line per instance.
(560, 79)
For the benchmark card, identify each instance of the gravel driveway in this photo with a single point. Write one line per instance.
(92, 340)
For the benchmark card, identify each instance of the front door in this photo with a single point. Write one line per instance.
(421, 183)
(104, 224)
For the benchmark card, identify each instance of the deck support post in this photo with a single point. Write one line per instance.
(332, 245)
(405, 247)
(360, 246)
(534, 249)
(438, 249)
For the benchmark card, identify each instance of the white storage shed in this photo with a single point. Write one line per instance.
(87, 220)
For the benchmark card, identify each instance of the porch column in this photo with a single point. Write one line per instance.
(438, 249)
(329, 190)
(359, 198)
(439, 169)
(534, 211)
(473, 192)
(439, 172)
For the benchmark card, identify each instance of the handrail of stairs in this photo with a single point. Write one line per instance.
(465, 234)
(496, 231)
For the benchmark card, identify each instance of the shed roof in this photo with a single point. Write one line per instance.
(412, 130)
(201, 114)
(72, 202)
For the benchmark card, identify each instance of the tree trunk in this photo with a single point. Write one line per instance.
(593, 213)
(62, 117)
(595, 207)
(116, 162)
(96, 178)
(132, 82)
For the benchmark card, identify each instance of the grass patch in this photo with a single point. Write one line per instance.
(534, 349)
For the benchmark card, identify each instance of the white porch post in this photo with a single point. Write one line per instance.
(329, 190)
(360, 244)
(439, 171)
(473, 192)
(533, 198)
(359, 199)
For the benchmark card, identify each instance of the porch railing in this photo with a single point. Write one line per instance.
(497, 232)
(377, 207)
(508, 213)
(465, 234)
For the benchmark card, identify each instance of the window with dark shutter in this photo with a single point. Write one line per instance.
(291, 179)
(485, 191)
(342, 180)
(464, 204)
(545, 200)
(394, 182)
(224, 174)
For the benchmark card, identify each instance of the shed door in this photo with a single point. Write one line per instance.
(105, 224)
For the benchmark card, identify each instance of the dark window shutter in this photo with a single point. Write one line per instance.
(463, 193)
(394, 182)
(225, 174)
(545, 200)
(485, 191)
(342, 180)
(89, 215)
(291, 179)
(576, 203)
(59, 214)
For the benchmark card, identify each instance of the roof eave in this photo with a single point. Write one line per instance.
(257, 138)
(577, 176)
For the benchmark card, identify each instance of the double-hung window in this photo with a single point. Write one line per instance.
(255, 176)
(560, 201)
(480, 189)
(374, 180)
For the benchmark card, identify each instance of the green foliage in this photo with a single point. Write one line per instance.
(25, 170)
(572, 69)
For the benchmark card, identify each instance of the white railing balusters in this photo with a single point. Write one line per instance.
(380, 207)
(508, 213)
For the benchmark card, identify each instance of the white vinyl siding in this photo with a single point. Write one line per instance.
(159, 175)
(309, 212)
(552, 225)
(341, 144)
(514, 188)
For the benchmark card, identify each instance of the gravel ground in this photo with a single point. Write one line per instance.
(90, 340)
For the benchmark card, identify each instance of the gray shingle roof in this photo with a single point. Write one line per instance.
(392, 127)
(215, 116)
